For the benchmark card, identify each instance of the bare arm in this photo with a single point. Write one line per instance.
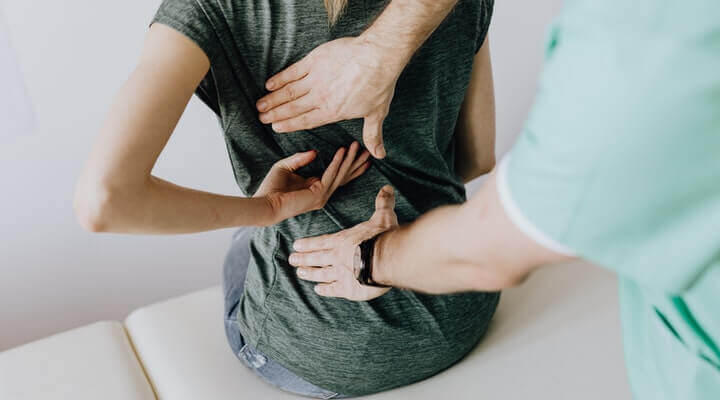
(117, 192)
(405, 25)
(475, 246)
(482, 249)
(353, 77)
(475, 130)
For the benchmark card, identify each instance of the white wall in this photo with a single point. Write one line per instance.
(74, 55)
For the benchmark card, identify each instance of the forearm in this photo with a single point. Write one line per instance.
(160, 207)
(474, 246)
(404, 26)
(411, 256)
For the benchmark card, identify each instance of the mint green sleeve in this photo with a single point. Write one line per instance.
(619, 162)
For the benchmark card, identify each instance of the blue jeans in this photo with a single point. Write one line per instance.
(234, 272)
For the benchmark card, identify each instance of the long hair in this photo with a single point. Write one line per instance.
(335, 9)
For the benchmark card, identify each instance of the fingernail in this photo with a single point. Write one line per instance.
(276, 128)
(293, 259)
(297, 245)
(318, 289)
(380, 151)
(270, 85)
(301, 272)
(262, 106)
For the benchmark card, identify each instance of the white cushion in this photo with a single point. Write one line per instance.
(555, 337)
(89, 363)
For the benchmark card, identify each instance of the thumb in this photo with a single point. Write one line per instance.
(373, 135)
(385, 199)
(384, 215)
(297, 160)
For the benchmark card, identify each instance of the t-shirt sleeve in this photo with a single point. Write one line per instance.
(191, 18)
(486, 10)
(619, 166)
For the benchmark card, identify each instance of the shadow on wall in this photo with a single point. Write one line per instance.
(16, 115)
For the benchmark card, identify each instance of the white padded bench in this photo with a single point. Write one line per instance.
(555, 337)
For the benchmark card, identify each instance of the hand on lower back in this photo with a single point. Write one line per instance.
(343, 79)
(330, 259)
(289, 194)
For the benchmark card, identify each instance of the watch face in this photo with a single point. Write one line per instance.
(357, 262)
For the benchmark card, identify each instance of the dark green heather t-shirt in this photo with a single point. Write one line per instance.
(348, 347)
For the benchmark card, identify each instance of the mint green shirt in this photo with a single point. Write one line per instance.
(619, 163)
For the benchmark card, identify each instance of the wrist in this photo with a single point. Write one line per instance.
(391, 56)
(381, 271)
(403, 27)
(269, 211)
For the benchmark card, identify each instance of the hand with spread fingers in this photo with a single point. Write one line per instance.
(289, 194)
(330, 260)
(343, 79)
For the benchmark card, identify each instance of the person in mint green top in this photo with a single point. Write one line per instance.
(618, 164)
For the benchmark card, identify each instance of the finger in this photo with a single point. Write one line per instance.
(316, 243)
(297, 160)
(385, 199)
(323, 275)
(360, 165)
(358, 171)
(328, 290)
(372, 135)
(312, 259)
(289, 74)
(360, 160)
(288, 110)
(345, 167)
(291, 92)
(310, 120)
(332, 170)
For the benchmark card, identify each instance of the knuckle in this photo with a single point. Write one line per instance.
(290, 92)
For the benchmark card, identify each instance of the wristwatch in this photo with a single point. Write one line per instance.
(363, 262)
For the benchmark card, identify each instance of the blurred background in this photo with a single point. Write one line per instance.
(71, 57)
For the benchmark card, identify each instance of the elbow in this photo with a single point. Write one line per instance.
(478, 168)
(487, 164)
(92, 204)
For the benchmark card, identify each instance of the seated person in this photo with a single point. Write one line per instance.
(439, 134)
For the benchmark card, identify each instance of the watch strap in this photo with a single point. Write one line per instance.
(367, 251)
